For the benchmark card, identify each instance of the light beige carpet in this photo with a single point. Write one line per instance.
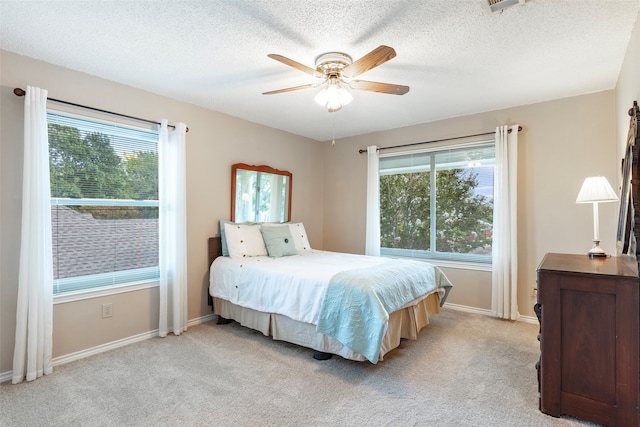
(464, 370)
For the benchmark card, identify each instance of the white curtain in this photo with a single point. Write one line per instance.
(372, 234)
(173, 229)
(34, 316)
(504, 296)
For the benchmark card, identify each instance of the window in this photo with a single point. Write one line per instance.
(439, 203)
(104, 203)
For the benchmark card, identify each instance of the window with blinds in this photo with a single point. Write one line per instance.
(438, 203)
(104, 202)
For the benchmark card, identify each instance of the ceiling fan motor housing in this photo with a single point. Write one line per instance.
(332, 62)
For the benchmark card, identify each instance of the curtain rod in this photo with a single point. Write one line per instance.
(20, 92)
(437, 140)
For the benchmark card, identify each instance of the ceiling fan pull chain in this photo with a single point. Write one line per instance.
(333, 131)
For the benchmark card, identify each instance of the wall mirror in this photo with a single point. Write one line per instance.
(626, 243)
(260, 194)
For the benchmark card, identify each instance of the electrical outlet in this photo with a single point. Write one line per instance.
(534, 293)
(107, 310)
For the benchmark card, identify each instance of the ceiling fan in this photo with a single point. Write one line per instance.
(337, 70)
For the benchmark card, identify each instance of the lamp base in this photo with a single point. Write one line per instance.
(596, 251)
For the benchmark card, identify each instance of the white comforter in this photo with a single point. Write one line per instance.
(293, 286)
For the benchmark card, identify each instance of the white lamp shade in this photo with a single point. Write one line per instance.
(322, 97)
(345, 96)
(596, 189)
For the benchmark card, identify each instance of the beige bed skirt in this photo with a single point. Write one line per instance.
(403, 323)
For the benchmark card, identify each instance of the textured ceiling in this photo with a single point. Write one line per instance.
(456, 55)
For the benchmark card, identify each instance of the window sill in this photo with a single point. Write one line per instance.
(103, 291)
(461, 265)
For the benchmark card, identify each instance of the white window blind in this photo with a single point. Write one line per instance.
(104, 202)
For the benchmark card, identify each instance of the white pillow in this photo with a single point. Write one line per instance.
(299, 235)
(244, 240)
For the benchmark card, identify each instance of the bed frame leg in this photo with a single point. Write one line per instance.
(223, 321)
(321, 355)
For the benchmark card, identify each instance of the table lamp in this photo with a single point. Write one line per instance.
(596, 189)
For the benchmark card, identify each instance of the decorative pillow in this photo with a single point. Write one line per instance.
(278, 240)
(244, 240)
(223, 239)
(300, 239)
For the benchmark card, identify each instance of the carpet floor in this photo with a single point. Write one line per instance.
(464, 370)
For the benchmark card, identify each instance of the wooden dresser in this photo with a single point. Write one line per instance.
(589, 334)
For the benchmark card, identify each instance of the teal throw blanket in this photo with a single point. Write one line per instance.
(356, 306)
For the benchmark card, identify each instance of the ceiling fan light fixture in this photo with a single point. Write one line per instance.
(333, 96)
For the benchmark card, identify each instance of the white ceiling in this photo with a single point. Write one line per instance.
(456, 55)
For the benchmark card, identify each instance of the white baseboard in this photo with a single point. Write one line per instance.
(203, 319)
(529, 319)
(465, 308)
(120, 343)
(6, 376)
(60, 360)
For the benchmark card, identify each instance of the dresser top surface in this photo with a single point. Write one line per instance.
(625, 266)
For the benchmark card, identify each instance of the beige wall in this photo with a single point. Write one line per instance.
(628, 87)
(563, 142)
(79, 325)
(215, 141)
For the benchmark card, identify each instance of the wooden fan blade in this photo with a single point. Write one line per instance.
(296, 65)
(289, 89)
(379, 87)
(376, 57)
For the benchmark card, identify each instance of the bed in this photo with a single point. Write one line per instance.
(285, 297)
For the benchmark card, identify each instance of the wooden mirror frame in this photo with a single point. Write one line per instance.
(262, 169)
(628, 217)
